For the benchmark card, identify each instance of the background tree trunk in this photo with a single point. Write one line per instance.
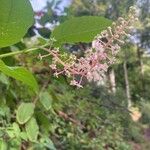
(128, 95)
(112, 81)
(139, 53)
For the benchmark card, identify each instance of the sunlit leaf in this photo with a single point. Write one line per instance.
(16, 16)
(80, 29)
(24, 112)
(32, 129)
(3, 145)
(46, 100)
(19, 73)
(16, 129)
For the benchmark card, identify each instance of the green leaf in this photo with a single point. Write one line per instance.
(16, 129)
(3, 145)
(32, 129)
(4, 79)
(23, 135)
(80, 29)
(19, 73)
(47, 142)
(43, 121)
(10, 133)
(24, 112)
(46, 100)
(16, 16)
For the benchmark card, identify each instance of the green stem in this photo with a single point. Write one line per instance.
(22, 51)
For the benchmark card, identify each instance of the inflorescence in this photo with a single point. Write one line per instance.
(97, 59)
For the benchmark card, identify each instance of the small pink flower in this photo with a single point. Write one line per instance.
(73, 82)
(97, 45)
(53, 66)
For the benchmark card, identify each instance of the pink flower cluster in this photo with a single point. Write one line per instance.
(96, 60)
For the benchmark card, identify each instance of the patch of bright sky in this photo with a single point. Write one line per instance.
(40, 4)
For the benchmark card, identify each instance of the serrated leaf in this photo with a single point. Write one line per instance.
(24, 112)
(16, 16)
(19, 73)
(80, 29)
(46, 100)
(32, 129)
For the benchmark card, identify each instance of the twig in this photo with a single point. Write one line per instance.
(66, 117)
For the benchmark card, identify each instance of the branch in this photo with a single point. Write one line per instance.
(22, 51)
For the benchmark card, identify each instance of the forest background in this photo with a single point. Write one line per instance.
(110, 115)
